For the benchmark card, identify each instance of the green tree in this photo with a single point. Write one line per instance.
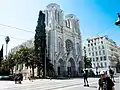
(27, 56)
(23, 56)
(87, 62)
(49, 67)
(40, 42)
(11, 61)
(32, 61)
(14, 59)
(4, 67)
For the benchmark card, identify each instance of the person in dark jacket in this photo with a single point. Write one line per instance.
(18, 78)
(105, 83)
(86, 78)
(21, 76)
(111, 72)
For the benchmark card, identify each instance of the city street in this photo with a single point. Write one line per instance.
(46, 84)
(63, 39)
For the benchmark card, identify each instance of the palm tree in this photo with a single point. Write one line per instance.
(7, 39)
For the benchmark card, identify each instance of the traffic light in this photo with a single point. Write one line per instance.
(118, 21)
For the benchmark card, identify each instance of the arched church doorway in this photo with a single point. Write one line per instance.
(80, 67)
(71, 68)
(61, 67)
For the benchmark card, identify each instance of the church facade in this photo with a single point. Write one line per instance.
(63, 40)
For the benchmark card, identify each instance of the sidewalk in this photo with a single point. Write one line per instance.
(43, 84)
(93, 86)
(54, 84)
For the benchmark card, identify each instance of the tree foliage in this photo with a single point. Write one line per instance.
(36, 56)
(25, 56)
(49, 65)
(4, 68)
(11, 61)
(87, 62)
(40, 42)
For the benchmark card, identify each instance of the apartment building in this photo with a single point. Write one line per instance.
(103, 52)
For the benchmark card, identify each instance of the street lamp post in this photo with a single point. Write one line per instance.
(45, 63)
(118, 21)
(7, 39)
(96, 70)
(84, 57)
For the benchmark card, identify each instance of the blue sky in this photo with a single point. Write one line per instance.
(96, 17)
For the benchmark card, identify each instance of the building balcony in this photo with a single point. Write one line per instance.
(113, 64)
(112, 58)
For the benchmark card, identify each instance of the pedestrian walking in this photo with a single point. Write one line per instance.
(18, 78)
(111, 72)
(15, 78)
(105, 83)
(31, 77)
(86, 78)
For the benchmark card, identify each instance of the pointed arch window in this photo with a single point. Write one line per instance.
(65, 23)
(59, 44)
(55, 14)
(58, 17)
(47, 17)
(78, 48)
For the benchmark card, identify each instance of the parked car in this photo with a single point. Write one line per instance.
(7, 77)
(4, 77)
